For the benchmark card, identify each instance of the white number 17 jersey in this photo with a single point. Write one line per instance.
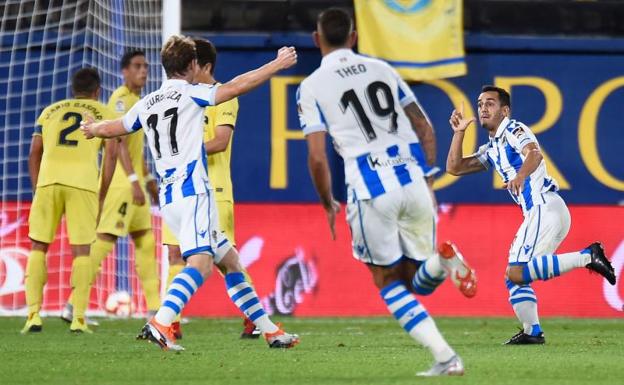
(173, 120)
(359, 101)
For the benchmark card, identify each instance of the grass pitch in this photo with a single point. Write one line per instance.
(332, 351)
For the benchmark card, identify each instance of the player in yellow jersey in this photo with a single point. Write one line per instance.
(125, 210)
(64, 173)
(219, 127)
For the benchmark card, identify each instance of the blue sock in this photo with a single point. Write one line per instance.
(182, 288)
(246, 299)
(428, 277)
(543, 267)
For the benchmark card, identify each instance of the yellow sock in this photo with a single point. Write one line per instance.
(81, 283)
(171, 274)
(99, 251)
(36, 277)
(147, 269)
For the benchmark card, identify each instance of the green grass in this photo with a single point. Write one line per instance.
(333, 351)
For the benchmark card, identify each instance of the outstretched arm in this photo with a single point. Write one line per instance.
(456, 164)
(286, 57)
(103, 129)
(321, 177)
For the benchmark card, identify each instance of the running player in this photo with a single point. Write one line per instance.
(173, 121)
(514, 152)
(375, 123)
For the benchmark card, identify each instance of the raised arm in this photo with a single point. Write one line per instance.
(34, 160)
(103, 129)
(456, 163)
(286, 57)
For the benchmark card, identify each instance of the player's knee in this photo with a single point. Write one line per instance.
(174, 255)
(201, 262)
(514, 274)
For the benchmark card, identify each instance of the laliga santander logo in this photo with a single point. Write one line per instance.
(611, 293)
(12, 272)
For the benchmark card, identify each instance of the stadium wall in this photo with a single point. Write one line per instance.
(568, 90)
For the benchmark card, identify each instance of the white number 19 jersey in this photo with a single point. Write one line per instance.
(173, 120)
(359, 101)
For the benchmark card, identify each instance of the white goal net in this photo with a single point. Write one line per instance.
(42, 43)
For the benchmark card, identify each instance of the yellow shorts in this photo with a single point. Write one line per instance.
(120, 216)
(226, 223)
(49, 205)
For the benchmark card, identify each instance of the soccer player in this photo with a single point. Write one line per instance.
(172, 118)
(375, 123)
(219, 122)
(125, 210)
(64, 174)
(514, 152)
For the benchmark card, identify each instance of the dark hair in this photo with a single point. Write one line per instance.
(206, 53)
(335, 25)
(177, 54)
(85, 81)
(503, 95)
(129, 55)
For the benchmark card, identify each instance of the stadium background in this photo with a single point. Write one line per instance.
(569, 89)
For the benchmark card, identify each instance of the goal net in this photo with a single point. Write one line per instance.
(42, 43)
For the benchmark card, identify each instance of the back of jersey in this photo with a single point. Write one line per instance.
(360, 101)
(173, 121)
(68, 157)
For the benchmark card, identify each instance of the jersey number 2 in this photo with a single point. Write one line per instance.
(152, 123)
(63, 141)
(373, 91)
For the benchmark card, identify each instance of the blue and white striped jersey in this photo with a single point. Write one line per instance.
(359, 101)
(504, 153)
(173, 121)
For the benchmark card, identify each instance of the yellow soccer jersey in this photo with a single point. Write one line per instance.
(120, 102)
(68, 157)
(219, 164)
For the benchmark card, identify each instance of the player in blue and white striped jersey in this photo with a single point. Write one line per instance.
(512, 150)
(173, 121)
(375, 123)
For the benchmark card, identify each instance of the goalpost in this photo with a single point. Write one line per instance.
(42, 43)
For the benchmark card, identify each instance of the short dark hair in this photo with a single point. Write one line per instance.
(85, 81)
(335, 24)
(129, 55)
(177, 54)
(503, 95)
(206, 53)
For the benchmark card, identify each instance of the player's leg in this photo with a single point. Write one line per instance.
(80, 213)
(226, 223)
(242, 293)
(392, 272)
(417, 236)
(45, 214)
(176, 264)
(147, 267)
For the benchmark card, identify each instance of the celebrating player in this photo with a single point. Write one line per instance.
(173, 120)
(219, 122)
(375, 122)
(125, 209)
(513, 151)
(64, 174)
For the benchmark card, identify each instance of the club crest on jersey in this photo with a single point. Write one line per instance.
(120, 107)
(408, 6)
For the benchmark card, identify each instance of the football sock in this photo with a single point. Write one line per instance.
(182, 288)
(98, 252)
(171, 274)
(246, 299)
(429, 276)
(524, 302)
(35, 278)
(413, 317)
(147, 269)
(549, 266)
(81, 284)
